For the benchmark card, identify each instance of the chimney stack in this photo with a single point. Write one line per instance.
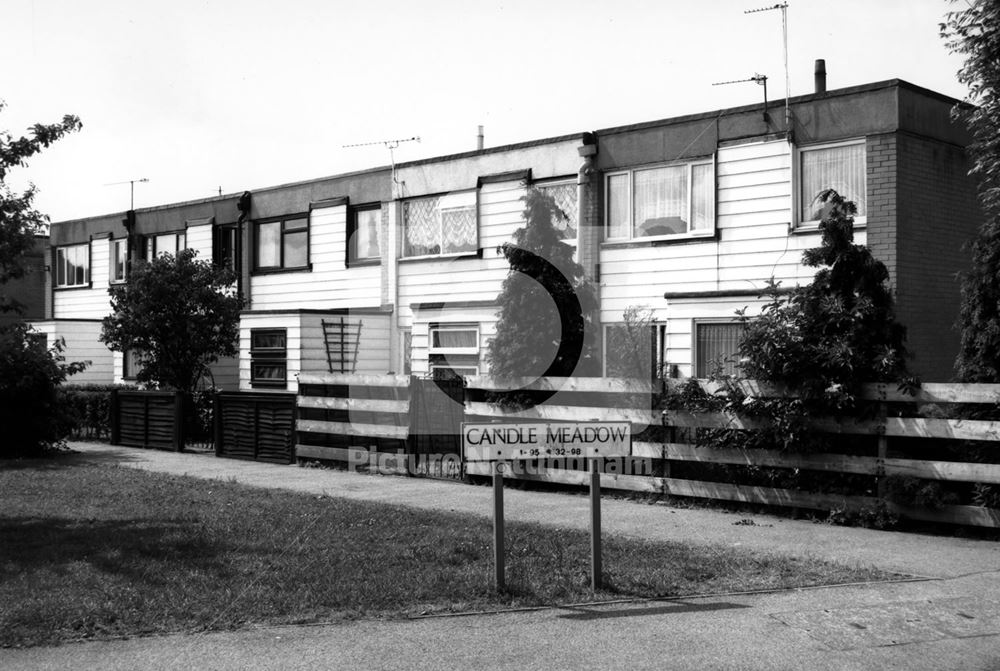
(479, 139)
(819, 73)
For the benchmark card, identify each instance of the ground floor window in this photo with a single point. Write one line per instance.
(453, 349)
(268, 358)
(131, 363)
(716, 347)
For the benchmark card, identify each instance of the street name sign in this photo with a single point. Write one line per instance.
(545, 440)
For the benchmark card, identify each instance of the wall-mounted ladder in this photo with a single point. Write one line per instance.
(342, 340)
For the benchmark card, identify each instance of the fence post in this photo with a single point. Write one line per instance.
(883, 449)
(217, 432)
(178, 421)
(116, 428)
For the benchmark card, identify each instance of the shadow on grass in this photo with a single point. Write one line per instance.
(120, 548)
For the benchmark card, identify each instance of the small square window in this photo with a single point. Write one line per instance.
(841, 167)
(164, 244)
(453, 349)
(73, 266)
(716, 347)
(564, 194)
(282, 244)
(268, 358)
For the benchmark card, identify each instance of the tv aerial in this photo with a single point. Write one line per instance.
(131, 188)
(391, 145)
(759, 79)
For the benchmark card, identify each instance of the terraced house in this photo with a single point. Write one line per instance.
(396, 269)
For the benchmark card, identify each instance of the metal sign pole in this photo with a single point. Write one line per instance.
(498, 551)
(595, 525)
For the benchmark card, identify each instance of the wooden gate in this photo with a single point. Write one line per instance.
(255, 426)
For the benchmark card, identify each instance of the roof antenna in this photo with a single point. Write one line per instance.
(761, 80)
(131, 187)
(390, 145)
(783, 6)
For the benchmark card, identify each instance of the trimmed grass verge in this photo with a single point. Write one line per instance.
(101, 551)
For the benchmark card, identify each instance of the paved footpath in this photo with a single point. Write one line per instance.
(949, 620)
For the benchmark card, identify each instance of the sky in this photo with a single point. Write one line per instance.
(198, 96)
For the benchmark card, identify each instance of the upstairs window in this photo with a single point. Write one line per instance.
(841, 167)
(282, 244)
(119, 260)
(664, 201)
(363, 243)
(226, 246)
(164, 243)
(268, 358)
(565, 196)
(440, 225)
(73, 266)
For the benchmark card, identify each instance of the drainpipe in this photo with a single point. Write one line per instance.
(588, 227)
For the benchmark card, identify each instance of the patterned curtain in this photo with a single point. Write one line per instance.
(421, 230)
(458, 229)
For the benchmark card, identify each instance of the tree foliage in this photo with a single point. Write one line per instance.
(974, 33)
(544, 325)
(19, 220)
(827, 338)
(178, 315)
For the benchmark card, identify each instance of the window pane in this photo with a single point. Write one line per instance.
(839, 168)
(618, 206)
(268, 241)
(166, 244)
(118, 248)
(458, 227)
(60, 267)
(718, 346)
(702, 197)
(267, 340)
(453, 338)
(296, 224)
(564, 196)
(365, 244)
(295, 249)
(421, 232)
(269, 371)
(660, 201)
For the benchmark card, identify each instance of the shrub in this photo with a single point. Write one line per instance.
(32, 418)
(88, 409)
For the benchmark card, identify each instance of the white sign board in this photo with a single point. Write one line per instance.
(507, 442)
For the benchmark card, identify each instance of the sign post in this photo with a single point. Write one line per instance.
(506, 444)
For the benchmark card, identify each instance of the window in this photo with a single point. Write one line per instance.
(840, 167)
(268, 358)
(716, 347)
(407, 352)
(73, 266)
(565, 196)
(440, 225)
(38, 340)
(670, 200)
(363, 242)
(226, 247)
(453, 349)
(164, 243)
(131, 364)
(282, 244)
(119, 259)
(637, 352)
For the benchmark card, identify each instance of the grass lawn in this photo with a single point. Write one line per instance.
(97, 551)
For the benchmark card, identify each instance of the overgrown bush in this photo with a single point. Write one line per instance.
(88, 409)
(31, 415)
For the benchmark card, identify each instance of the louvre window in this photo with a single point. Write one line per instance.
(268, 358)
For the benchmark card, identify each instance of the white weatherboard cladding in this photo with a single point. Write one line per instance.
(373, 348)
(82, 343)
(91, 302)
(330, 284)
(199, 238)
(467, 279)
(292, 325)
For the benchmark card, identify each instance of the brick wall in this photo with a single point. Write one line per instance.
(937, 214)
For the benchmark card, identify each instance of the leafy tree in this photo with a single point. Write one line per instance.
(827, 338)
(629, 345)
(974, 32)
(178, 315)
(544, 325)
(29, 373)
(19, 220)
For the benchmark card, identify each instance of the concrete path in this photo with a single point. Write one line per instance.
(950, 621)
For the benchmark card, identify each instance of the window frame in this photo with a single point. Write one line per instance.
(440, 221)
(219, 232)
(282, 221)
(150, 251)
(566, 181)
(450, 358)
(113, 257)
(352, 227)
(797, 182)
(630, 173)
(269, 355)
(130, 372)
(695, 323)
(57, 266)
